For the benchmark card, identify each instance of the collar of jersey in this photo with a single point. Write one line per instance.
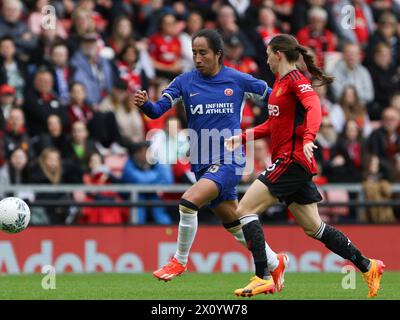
(281, 78)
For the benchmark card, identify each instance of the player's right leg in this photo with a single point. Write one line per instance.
(255, 201)
(195, 197)
(308, 218)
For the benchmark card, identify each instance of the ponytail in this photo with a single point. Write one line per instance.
(312, 68)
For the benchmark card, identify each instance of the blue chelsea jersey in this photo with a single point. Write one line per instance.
(214, 107)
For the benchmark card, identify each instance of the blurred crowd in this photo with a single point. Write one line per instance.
(66, 116)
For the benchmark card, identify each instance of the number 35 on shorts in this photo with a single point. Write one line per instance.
(214, 168)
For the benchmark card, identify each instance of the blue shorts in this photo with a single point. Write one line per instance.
(225, 177)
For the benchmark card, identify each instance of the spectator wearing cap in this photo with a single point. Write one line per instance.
(129, 119)
(12, 25)
(7, 102)
(315, 35)
(12, 69)
(92, 70)
(41, 101)
(234, 58)
(137, 170)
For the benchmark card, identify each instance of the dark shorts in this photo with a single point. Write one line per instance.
(290, 182)
(226, 177)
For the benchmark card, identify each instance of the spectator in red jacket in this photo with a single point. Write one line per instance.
(316, 36)
(99, 174)
(267, 28)
(165, 48)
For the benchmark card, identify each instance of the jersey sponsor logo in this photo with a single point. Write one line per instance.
(228, 92)
(305, 88)
(193, 94)
(273, 110)
(196, 109)
(212, 108)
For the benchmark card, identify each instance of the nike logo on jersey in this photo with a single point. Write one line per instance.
(193, 94)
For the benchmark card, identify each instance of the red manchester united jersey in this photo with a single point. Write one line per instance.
(294, 119)
(165, 49)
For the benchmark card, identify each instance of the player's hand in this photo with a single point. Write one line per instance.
(139, 98)
(233, 143)
(308, 150)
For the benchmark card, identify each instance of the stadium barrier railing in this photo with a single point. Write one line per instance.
(135, 190)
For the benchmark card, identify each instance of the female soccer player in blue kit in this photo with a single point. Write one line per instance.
(213, 97)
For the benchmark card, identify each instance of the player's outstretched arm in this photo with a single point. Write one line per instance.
(261, 131)
(153, 110)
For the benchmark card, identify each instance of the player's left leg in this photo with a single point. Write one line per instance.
(255, 201)
(226, 212)
(308, 218)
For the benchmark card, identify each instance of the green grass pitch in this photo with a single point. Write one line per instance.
(190, 286)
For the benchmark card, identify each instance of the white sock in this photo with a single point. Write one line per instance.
(272, 259)
(186, 233)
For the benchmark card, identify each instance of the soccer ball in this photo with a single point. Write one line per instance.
(14, 215)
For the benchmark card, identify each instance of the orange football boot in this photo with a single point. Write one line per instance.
(170, 270)
(279, 273)
(373, 277)
(257, 286)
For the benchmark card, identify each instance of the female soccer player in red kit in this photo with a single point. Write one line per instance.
(293, 122)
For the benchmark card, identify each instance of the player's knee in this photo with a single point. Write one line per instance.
(241, 211)
(233, 226)
(187, 207)
(311, 230)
